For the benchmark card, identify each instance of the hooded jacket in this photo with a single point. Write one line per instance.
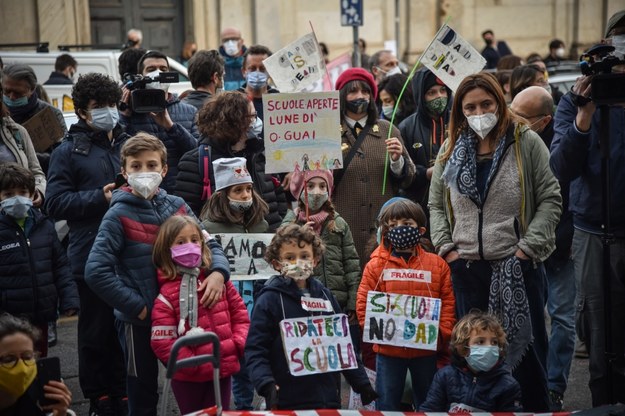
(280, 298)
(423, 136)
(228, 319)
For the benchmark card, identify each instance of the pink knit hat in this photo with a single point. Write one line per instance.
(298, 180)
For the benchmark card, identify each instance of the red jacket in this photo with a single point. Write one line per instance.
(228, 319)
(440, 287)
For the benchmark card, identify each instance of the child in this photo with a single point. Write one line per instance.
(235, 207)
(293, 252)
(401, 227)
(120, 270)
(183, 262)
(34, 271)
(477, 380)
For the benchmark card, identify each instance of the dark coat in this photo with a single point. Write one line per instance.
(58, 78)
(81, 166)
(264, 353)
(197, 98)
(34, 271)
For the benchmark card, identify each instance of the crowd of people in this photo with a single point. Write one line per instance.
(492, 212)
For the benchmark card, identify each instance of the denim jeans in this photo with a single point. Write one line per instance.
(561, 308)
(391, 378)
(242, 388)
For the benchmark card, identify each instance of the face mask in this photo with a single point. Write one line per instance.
(618, 41)
(104, 119)
(437, 105)
(16, 206)
(240, 206)
(156, 85)
(482, 124)
(257, 80)
(483, 357)
(187, 255)
(300, 270)
(387, 110)
(531, 126)
(144, 183)
(18, 102)
(489, 42)
(560, 52)
(403, 237)
(256, 128)
(393, 71)
(15, 381)
(358, 106)
(315, 201)
(231, 47)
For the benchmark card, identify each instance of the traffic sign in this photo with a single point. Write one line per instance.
(351, 12)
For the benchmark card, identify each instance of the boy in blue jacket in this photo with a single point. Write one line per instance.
(120, 269)
(34, 271)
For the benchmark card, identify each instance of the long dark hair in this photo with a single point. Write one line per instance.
(351, 86)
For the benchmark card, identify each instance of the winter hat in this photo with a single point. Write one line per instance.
(617, 20)
(230, 171)
(389, 202)
(353, 74)
(430, 81)
(299, 178)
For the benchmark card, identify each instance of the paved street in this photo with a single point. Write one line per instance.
(577, 396)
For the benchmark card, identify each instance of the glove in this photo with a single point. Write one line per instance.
(367, 395)
(270, 393)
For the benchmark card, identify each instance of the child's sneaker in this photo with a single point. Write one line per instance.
(103, 406)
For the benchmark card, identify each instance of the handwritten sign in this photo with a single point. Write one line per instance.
(402, 320)
(44, 129)
(355, 402)
(334, 69)
(296, 66)
(302, 131)
(318, 344)
(451, 58)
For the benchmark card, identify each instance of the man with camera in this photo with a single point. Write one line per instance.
(173, 124)
(576, 156)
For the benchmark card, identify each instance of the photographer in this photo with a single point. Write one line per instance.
(575, 157)
(174, 126)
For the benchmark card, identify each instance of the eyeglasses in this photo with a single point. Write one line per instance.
(10, 361)
(253, 115)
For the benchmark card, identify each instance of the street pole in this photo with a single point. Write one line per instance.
(356, 54)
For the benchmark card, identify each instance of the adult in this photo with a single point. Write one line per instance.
(383, 64)
(556, 54)
(364, 58)
(535, 105)
(128, 62)
(494, 50)
(526, 76)
(509, 62)
(206, 73)
(257, 78)
(64, 70)
(538, 62)
(134, 38)
(233, 49)
(189, 48)
(80, 184)
(494, 206)
(576, 157)
(174, 126)
(18, 88)
(224, 123)
(425, 131)
(389, 90)
(19, 390)
(358, 186)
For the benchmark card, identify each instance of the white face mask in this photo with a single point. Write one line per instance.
(104, 119)
(145, 183)
(231, 47)
(387, 110)
(482, 124)
(256, 128)
(156, 85)
(618, 41)
(393, 71)
(560, 52)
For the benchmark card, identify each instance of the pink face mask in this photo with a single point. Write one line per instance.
(187, 255)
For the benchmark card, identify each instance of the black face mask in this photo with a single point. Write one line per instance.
(489, 42)
(358, 106)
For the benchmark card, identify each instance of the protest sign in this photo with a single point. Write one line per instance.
(296, 66)
(317, 344)
(302, 131)
(334, 68)
(451, 58)
(355, 402)
(44, 129)
(402, 320)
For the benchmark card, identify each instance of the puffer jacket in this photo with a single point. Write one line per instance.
(189, 184)
(525, 167)
(423, 136)
(492, 391)
(280, 298)
(119, 268)
(80, 167)
(181, 138)
(440, 287)
(339, 268)
(228, 319)
(34, 271)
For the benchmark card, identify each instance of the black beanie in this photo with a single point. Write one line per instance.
(430, 81)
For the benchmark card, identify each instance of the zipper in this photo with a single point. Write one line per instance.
(480, 214)
(20, 234)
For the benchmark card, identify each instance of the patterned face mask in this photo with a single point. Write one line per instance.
(300, 270)
(437, 105)
(403, 237)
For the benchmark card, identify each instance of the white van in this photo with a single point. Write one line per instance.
(104, 62)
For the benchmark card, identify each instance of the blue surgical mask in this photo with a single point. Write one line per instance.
(104, 119)
(16, 206)
(483, 357)
(18, 102)
(256, 79)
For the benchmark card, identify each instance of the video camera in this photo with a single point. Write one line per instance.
(145, 100)
(607, 87)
